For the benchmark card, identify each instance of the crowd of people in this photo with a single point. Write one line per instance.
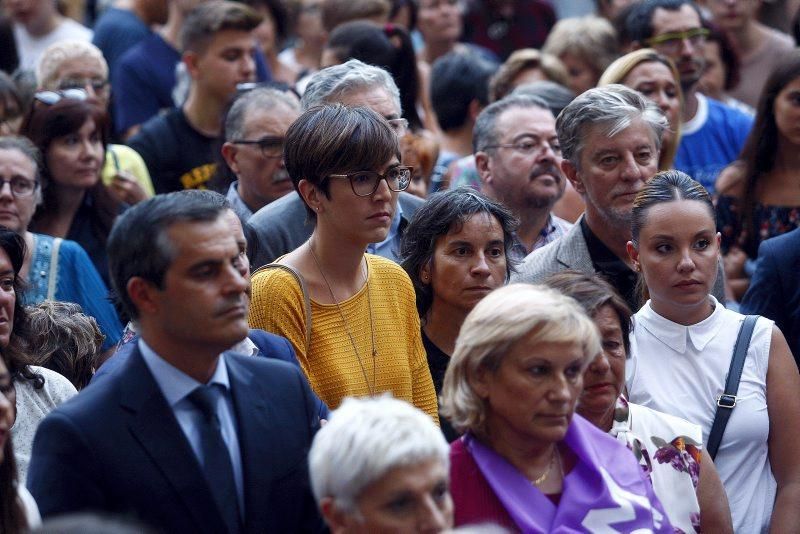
(399, 266)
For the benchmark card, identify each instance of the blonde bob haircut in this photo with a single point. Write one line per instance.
(619, 70)
(502, 318)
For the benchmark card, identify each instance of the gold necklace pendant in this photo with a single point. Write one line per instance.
(542, 478)
(370, 386)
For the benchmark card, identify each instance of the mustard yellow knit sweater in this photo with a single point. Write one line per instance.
(331, 365)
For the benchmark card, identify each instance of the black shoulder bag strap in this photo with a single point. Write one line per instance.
(727, 401)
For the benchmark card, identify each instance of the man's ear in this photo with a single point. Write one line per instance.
(571, 173)
(191, 60)
(474, 110)
(312, 195)
(229, 151)
(482, 166)
(143, 294)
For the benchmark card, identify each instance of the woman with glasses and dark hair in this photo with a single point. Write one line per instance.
(70, 131)
(349, 315)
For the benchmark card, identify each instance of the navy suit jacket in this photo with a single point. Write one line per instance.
(775, 286)
(269, 346)
(118, 448)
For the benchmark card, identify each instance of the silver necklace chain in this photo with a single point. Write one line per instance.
(370, 387)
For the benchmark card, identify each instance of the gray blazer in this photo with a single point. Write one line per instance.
(572, 252)
(281, 226)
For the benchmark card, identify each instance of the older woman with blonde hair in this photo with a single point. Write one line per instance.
(586, 45)
(512, 387)
(655, 76)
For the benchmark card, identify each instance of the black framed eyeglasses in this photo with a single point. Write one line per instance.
(271, 146)
(365, 183)
(53, 97)
(20, 187)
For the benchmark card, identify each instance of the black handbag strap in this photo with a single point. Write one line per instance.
(727, 401)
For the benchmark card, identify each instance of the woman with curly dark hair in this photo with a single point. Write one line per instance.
(37, 390)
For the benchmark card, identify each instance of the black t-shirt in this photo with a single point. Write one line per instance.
(177, 156)
(610, 267)
(437, 363)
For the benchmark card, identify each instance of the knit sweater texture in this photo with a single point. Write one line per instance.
(333, 368)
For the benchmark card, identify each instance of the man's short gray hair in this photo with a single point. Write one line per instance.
(260, 97)
(612, 108)
(365, 439)
(484, 132)
(330, 84)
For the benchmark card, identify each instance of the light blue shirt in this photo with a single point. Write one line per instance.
(176, 386)
(390, 247)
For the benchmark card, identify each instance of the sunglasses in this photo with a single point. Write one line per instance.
(54, 97)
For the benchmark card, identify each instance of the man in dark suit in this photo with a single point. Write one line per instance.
(775, 286)
(187, 437)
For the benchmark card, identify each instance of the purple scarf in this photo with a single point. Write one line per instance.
(605, 492)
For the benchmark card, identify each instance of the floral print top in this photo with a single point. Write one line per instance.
(770, 221)
(668, 449)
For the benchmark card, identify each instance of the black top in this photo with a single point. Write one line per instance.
(177, 156)
(437, 363)
(613, 269)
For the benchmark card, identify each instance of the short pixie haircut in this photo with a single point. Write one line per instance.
(494, 325)
(336, 139)
(365, 439)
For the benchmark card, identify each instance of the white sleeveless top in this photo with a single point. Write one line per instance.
(681, 370)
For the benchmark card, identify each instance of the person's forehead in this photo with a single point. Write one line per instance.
(231, 39)
(375, 97)
(516, 121)
(195, 241)
(234, 223)
(81, 67)
(669, 21)
(259, 122)
(12, 161)
(636, 135)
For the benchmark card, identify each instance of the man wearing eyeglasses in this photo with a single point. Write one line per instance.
(712, 133)
(518, 158)
(253, 151)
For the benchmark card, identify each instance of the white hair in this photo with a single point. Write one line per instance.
(330, 84)
(364, 439)
(497, 322)
(57, 53)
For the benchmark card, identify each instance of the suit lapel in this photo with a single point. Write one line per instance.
(573, 253)
(254, 419)
(155, 427)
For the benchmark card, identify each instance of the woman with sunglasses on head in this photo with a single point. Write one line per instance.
(358, 333)
(70, 131)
